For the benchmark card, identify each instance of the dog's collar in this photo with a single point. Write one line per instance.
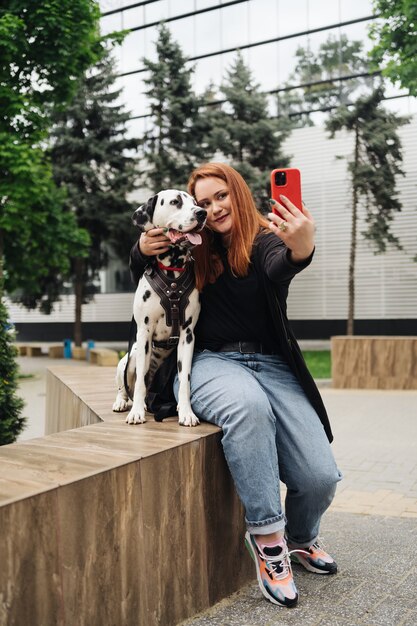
(170, 269)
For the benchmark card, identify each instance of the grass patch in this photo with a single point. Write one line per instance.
(319, 363)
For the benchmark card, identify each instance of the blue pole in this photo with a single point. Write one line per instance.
(67, 349)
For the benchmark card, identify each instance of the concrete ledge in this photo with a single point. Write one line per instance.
(116, 524)
(374, 362)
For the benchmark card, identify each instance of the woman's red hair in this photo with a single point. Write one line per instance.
(247, 221)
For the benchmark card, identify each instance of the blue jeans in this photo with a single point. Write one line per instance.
(270, 433)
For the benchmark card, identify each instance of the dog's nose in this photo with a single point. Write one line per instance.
(201, 214)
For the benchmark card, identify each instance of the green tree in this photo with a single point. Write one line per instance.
(11, 422)
(44, 47)
(245, 133)
(395, 39)
(37, 238)
(92, 163)
(176, 141)
(335, 58)
(376, 163)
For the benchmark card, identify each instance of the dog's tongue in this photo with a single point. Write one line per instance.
(174, 235)
(195, 238)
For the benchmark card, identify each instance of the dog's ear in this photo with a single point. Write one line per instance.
(143, 216)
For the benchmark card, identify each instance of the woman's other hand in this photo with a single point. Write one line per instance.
(295, 228)
(154, 242)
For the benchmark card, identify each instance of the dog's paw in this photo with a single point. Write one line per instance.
(135, 417)
(187, 418)
(120, 405)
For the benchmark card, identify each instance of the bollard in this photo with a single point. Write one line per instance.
(67, 349)
(90, 344)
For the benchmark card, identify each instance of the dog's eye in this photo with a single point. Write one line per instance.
(175, 202)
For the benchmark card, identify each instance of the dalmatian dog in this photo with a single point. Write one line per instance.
(175, 212)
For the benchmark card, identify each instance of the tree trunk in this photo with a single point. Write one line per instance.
(353, 238)
(78, 291)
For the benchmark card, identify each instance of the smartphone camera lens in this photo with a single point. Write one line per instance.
(280, 179)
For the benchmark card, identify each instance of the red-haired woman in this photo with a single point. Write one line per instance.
(249, 377)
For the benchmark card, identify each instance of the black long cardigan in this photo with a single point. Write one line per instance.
(289, 348)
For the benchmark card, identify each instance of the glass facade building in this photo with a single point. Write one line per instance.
(268, 33)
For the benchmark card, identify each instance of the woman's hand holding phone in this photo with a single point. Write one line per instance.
(294, 227)
(290, 219)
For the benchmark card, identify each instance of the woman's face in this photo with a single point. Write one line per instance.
(212, 194)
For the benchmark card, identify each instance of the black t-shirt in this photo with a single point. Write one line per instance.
(236, 309)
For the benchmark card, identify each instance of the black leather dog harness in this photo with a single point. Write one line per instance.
(174, 297)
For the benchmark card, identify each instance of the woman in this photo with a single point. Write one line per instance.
(249, 376)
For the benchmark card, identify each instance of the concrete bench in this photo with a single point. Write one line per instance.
(366, 362)
(103, 356)
(115, 524)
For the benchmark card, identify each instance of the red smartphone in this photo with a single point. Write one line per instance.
(286, 181)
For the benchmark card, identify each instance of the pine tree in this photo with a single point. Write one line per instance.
(176, 141)
(91, 162)
(245, 133)
(375, 165)
(11, 422)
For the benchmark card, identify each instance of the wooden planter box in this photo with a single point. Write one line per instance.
(363, 362)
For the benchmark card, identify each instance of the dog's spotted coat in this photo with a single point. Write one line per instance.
(173, 210)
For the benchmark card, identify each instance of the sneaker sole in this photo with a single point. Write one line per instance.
(304, 563)
(260, 583)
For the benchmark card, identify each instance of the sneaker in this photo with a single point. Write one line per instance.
(273, 570)
(315, 559)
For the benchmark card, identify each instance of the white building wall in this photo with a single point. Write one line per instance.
(386, 285)
(106, 307)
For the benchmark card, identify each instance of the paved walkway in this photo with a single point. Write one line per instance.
(376, 447)
(375, 586)
(371, 527)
